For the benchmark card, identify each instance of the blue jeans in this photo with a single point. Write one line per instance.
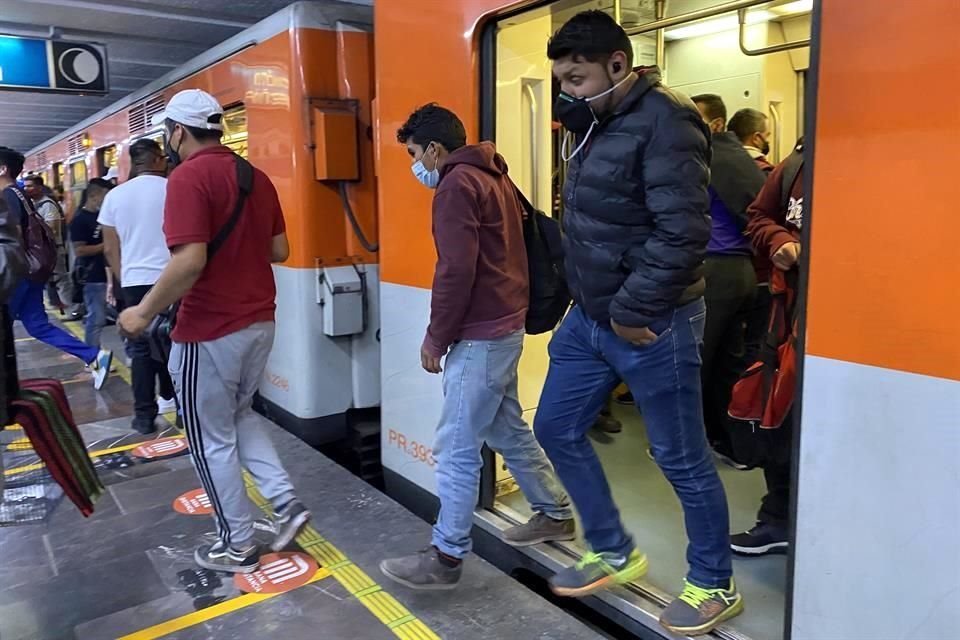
(587, 361)
(480, 404)
(26, 305)
(95, 300)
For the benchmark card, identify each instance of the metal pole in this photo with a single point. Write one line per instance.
(618, 11)
(700, 14)
(661, 13)
(774, 48)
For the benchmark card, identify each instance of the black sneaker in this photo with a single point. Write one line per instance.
(728, 460)
(608, 424)
(424, 571)
(763, 539)
(625, 398)
(144, 426)
(289, 522)
(220, 557)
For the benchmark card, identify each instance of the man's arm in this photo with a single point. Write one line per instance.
(84, 250)
(178, 277)
(111, 249)
(767, 218)
(279, 248)
(456, 233)
(676, 175)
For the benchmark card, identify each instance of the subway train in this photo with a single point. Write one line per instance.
(313, 96)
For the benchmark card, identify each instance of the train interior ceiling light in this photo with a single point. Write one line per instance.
(730, 22)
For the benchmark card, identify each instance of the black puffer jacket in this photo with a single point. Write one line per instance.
(636, 208)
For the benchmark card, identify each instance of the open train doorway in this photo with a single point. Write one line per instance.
(755, 58)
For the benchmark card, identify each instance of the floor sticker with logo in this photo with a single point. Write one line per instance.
(193, 503)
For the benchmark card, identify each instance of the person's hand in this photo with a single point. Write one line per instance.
(111, 299)
(133, 322)
(429, 362)
(640, 336)
(786, 256)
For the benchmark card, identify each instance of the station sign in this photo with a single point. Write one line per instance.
(56, 66)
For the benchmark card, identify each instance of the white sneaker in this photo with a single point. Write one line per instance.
(166, 406)
(101, 368)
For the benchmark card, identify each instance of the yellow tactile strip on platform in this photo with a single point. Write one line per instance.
(381, 604)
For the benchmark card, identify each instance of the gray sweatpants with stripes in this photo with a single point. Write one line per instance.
(215, 383)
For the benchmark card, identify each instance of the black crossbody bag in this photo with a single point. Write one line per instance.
(159, 331)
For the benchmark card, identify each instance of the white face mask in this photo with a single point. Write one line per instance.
(428, 178)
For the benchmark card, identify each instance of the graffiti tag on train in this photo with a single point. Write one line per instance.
(416, 450)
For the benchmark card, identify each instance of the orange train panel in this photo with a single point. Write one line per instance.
(883, 249)
(273, 79)
(426, 51)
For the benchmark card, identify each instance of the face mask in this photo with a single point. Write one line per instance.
(578, 117)
(429, 179)
(173, 155)
(765, 149)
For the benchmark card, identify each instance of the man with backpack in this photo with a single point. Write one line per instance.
(479, 307)
(223, 225)
(40, 247)
(60, 287)
(636, 221)
(776, 220)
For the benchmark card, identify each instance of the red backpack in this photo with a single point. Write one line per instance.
(765, 393)
(39, 243)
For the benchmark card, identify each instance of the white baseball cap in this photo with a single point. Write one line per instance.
(193, 108)
(111, 174)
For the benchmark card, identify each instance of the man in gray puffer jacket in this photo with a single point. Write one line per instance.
(636, 222)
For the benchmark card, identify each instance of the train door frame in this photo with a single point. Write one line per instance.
(807, 104)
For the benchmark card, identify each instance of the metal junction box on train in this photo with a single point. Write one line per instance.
(340, 294)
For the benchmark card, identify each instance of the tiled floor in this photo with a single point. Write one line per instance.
(127, 571)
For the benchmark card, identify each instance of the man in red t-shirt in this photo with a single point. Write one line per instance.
(225, 325)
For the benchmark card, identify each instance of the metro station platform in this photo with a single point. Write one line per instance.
(127, 572)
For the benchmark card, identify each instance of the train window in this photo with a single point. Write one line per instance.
(107, 158)
(78, 174)
(235, 129)
(58, 174)
(704, 57)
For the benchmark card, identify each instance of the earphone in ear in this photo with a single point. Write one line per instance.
(616, 67)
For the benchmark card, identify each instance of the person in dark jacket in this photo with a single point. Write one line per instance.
(479, 305)
(774, 229)
(735, 180)
(636, 222)
(752, 128)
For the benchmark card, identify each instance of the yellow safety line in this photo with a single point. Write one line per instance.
(93, 454)
(217, 610)
(381, 604)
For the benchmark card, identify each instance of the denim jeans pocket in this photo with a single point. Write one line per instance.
(502, 358)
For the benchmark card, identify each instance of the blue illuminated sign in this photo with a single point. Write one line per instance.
(36, 64)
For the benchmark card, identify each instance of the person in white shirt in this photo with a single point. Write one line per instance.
(60, 288)
(132, 221)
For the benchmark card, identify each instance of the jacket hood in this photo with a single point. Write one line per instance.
(483, 156)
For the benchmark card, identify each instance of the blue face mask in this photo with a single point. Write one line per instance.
(429, 179)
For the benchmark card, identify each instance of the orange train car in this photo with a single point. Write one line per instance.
(875, 511)
(297, 90)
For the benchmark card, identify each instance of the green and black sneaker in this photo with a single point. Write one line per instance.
(698, 611)
(596, 571)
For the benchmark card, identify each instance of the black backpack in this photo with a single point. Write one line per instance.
(549, 294)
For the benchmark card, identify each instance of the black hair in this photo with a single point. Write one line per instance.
(747, 122)
(36, 177)
(94, 185)
(198, 134)
(591, 35)
(143, 150)
(433, 123)
(13, 160)
(714, 104)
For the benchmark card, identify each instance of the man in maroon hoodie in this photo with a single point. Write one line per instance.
(478, 308)
(776, 218)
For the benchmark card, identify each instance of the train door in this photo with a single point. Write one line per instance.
(759, 65)
(106, 159)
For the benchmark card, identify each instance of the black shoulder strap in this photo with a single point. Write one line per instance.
(791, 169)
(245, 181)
